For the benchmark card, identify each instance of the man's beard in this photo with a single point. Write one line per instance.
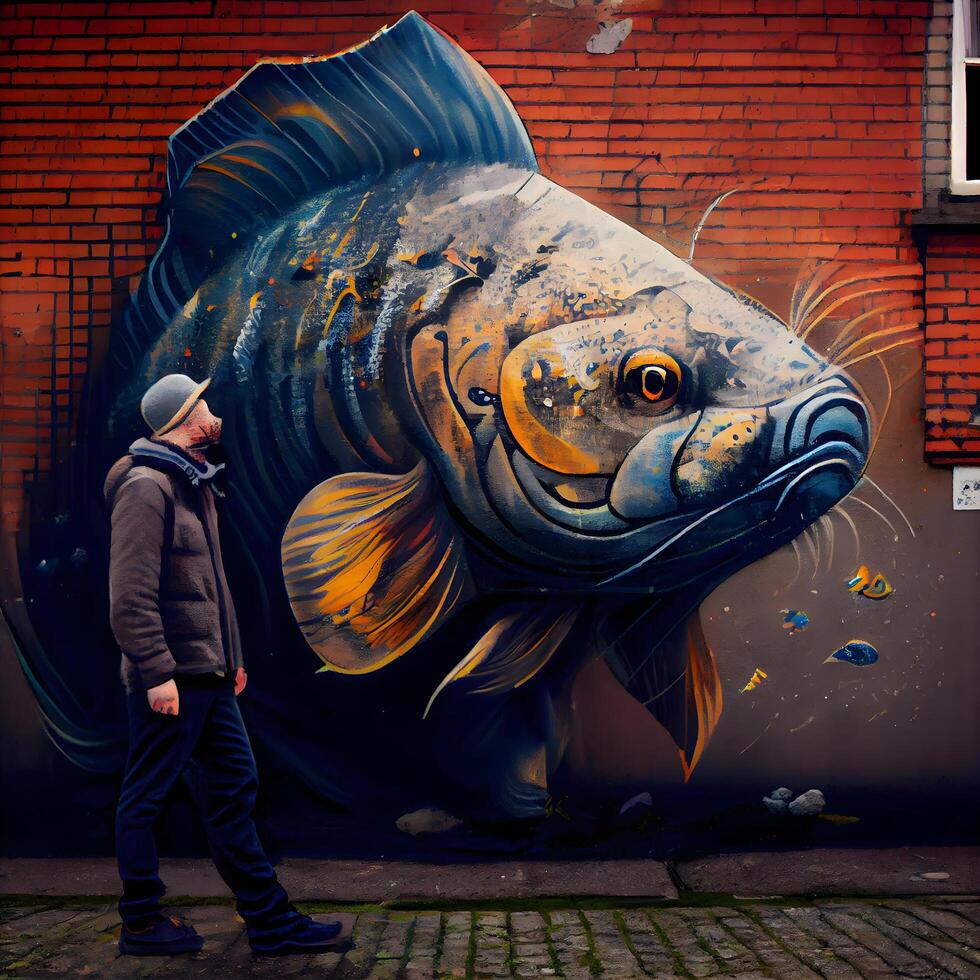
(208, 442)
(208, 435)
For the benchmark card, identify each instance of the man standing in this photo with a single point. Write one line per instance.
(174, 619)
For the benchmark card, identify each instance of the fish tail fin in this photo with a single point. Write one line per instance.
(64, 666)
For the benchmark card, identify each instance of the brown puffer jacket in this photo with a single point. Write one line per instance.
(169, 603)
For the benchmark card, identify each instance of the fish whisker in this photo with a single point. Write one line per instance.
(828, 525)
(805, 290)
(879, 428)
(809, 311)
(704, 218)
(837, 353)
(799, 563)
(811, 548)
(881, 350)
(898, 510)
(851, 326)
(875, 510)
(842, 301)
(840, 509)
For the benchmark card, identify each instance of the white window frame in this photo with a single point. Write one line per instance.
(958, 184)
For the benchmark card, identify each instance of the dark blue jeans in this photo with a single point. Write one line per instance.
(208, 734)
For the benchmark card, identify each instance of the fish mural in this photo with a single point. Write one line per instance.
(480, 433)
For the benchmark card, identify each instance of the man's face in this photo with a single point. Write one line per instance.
(203, 428)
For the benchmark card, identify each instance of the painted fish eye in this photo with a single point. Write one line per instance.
(480, 396)
(653, 376)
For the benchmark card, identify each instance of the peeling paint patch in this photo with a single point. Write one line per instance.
(610, 36)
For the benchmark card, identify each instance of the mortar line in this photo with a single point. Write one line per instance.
(916, 953)
(471, 949)
(760, 922)
(674, 952)
(914, 914)
(765, 968)
(552, 952)
(627, 938)
(857, 942)
(856, 967)
(594, 963)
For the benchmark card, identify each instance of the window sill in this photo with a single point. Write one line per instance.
(949, 210)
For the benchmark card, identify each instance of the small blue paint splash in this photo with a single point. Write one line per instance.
(855, 652)
(795, 620)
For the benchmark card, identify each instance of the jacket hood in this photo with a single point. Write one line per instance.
(162, 453)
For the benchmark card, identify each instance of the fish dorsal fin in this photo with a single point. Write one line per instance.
(519, 643)
(372, 565)
(289, 130)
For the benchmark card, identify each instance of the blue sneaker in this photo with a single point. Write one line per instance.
(167, 936)
(305, 936)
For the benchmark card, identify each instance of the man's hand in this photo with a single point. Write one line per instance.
(164, 698)
(241, 679)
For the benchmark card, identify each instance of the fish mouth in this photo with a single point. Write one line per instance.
(782, 504)
(579, 503)
(771, 514)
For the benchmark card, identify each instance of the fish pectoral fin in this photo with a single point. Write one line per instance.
(372, 565)
(518, 645)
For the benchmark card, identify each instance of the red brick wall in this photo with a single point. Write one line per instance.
(812, 107)
(952, 350)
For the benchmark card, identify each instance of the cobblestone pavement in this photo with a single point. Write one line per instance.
(928, 937)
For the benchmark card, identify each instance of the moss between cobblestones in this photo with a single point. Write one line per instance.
(625, 933)
(409, 941)
(674, 952)
(552, 952)
(763, 967)
(55, 938)
(706, 947)
(439, 943)
(528, 904)
(591, 957)
(471, 951)
(750, 913)
(511, 960)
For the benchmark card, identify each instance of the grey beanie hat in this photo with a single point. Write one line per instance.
(170, 400)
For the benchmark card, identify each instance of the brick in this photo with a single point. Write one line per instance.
(817, 97)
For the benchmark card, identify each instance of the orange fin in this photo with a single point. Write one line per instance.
(676, 679)
(859, 579)
(372, 565)
(515, 648)
(704, 697)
